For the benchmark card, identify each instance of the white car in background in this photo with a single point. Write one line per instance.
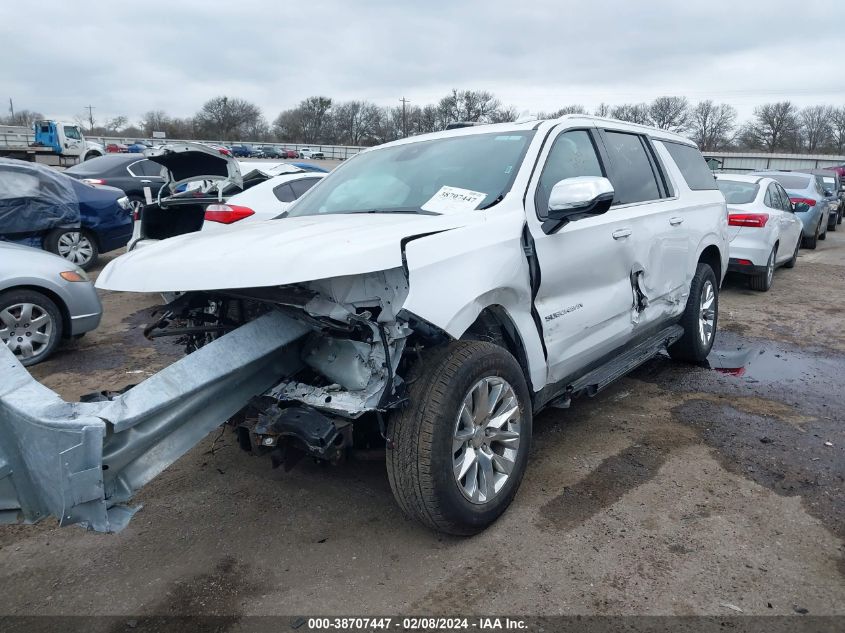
(264, 201)
(307, 152)
(764, 231)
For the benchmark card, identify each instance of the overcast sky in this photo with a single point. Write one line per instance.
(131, 57)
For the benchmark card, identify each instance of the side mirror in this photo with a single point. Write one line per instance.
(575, 198)
(800, 207)
(828, 193)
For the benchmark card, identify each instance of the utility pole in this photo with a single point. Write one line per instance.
(90, 109)
(404, 117)
(12, 110)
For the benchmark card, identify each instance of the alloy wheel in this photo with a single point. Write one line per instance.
(486, 439)
(707, 314)
(25, 328)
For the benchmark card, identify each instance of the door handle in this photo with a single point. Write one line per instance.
(676, 221)
(618, 234)
(146, 181)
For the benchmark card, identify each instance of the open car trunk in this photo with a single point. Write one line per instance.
(217, 176)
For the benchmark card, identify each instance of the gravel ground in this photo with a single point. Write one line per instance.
(679, 490)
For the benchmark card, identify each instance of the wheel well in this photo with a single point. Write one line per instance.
(495, 326)
(54, 298)
(712, 258)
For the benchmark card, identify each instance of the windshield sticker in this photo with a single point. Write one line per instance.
(451, 199)
(508, 138)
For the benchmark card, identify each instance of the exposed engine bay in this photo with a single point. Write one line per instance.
(351, 361)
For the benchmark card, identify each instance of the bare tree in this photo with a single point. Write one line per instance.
(816, 126)
(632, 112)
(838, 129)
(670, 113)
(477, 106)
(505, 114)
(774, 127)
(712, 125)
(154, 121)
(603, 110)
(116, 124)
(568, 109)
(356, 122)
(22, 117)
(228, 118)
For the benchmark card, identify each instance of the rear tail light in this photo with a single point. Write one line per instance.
(94, 181)
(227, 213)
(808, 201)
(744, 262)
(757, 220)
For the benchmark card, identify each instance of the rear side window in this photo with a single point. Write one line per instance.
(301, 186)
(693, 168)
(632, 175)
(145, 168)
(284, 193)
(789, 181)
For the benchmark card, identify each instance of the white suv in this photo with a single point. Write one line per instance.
(430, 296)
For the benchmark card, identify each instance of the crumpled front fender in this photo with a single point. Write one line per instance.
(80, 461)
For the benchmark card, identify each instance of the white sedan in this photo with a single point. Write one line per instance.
(263, 201)
(764, 232)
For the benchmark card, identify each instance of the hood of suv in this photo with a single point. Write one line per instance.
(274, 252)
(187, 162)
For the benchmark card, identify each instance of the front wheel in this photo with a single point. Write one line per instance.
(30, 325)
(699, 318)
(460, 448)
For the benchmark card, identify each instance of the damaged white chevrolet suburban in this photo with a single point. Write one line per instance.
(427, 298)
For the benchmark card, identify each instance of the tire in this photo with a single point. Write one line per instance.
(691, 347)
(30, 339)
(823, 236)
(431, 435)
(832, 225)
(791, 263)
(764, 282)
(812, 242)
(78, 246)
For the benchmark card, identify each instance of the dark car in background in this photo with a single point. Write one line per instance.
(243, 151)
(832, 182)
(47, 209)
(271, 151)
(128, 172)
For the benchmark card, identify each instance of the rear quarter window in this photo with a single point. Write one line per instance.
(692, 166)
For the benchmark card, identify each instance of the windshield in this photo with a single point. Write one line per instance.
(737, 192)
(438, 176)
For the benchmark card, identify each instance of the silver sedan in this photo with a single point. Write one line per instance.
(43, 299)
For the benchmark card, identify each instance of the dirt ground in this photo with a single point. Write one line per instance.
(679, 490)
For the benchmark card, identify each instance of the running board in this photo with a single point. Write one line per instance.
(601, 377)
